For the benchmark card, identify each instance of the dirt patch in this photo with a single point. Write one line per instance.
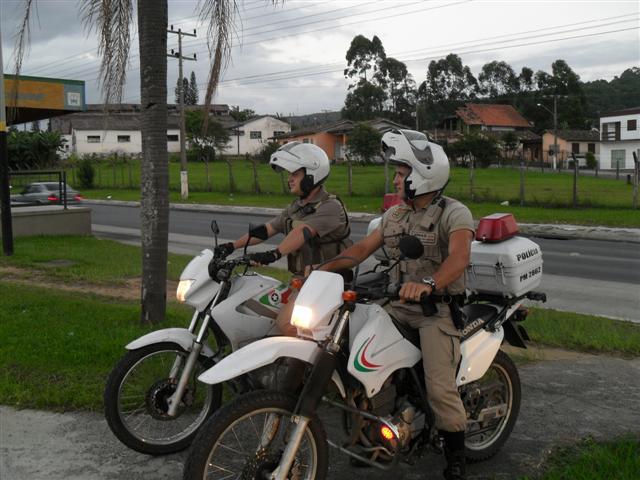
(129, 290)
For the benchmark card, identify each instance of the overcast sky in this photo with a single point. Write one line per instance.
(289, 58)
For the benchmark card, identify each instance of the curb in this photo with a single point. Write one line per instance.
(557, 231)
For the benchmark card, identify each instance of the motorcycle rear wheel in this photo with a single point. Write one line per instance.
(500, 389)
(135, 400)
(245, 439)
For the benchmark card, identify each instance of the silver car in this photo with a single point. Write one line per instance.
(44, 193)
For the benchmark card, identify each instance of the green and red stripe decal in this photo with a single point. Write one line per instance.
(361, 363)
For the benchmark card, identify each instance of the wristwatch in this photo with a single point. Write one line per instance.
(431, 282)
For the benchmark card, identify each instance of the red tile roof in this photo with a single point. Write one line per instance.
(491, 115)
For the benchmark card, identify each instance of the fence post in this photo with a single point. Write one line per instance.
(636, 173)
(575, 180)
(522, 181)
(471, 161)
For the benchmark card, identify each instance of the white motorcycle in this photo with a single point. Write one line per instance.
(364, 363)
(153, 403)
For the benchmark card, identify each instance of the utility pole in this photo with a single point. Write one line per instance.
(184, 179)
(5, 197)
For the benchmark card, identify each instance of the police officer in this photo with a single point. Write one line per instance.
(322, 214)
(445, 228)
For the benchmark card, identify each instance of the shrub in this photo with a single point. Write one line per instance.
(591, 160)
(85, 173)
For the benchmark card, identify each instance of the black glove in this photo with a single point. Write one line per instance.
(224, 250)
(265, 258)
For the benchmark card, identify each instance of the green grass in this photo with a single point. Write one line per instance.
(491, 185)
(591, 460)
(58, 348)
(74, 259)
(585, 333)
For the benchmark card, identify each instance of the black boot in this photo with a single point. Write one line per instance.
(454, 453)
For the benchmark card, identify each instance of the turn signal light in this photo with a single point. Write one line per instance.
(387, 433)
(297, 283)
(349, 296)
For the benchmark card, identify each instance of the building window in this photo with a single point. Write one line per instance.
(575, 148)
(611, 131)
(173, 138)
(591, 147)
(618, 158)
(307, 140)
(93, 138)
(278, 132)
(631, 125)
(124, 138)
(255, 135)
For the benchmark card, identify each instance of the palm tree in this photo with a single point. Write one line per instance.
(112, 20)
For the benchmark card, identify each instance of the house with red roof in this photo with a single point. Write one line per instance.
(492, 120)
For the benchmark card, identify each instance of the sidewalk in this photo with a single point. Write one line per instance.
(563, 400)
(541, 230)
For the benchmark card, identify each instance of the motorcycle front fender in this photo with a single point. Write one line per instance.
(181, 336)
(264, 352)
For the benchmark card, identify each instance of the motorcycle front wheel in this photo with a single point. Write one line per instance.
(136, 394)
(492, 404)
(246, 438)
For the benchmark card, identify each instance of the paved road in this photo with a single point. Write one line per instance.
(563, 400)
(587, 276)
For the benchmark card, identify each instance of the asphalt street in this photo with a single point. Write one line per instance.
(587, 276)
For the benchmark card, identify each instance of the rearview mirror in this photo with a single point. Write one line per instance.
(258, 231)
(411, 247)
(214, 227)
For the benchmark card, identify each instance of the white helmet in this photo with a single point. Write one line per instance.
(293, 156)
(428, 162)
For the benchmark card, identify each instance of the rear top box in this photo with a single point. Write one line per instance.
(509, 268)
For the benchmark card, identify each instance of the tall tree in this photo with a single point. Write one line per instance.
(364, 102)
(525, 79)
(179, 89)
(449, 79)
(367, 88)
(496, 79)
(364, 56)
(112, 20)
(194, 93)
(400, 88)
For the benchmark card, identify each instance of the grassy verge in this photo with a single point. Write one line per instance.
(590, 460)
(76, 259)
(59, 347)
(613, 217)
(584, 333)
(490, 184)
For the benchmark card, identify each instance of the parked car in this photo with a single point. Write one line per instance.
(45, 193)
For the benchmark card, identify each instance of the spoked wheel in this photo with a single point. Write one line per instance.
(246, 438)
(136, 400)
(492, 404)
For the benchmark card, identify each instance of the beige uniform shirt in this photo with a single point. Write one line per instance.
(327, 217)
(433, 226)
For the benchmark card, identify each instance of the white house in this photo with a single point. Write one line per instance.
(250, 136)
(119, 132)
(620, 137)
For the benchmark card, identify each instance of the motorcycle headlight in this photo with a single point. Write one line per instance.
(301, 316)
(183, 288)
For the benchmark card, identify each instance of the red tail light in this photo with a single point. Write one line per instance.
(52, 198)
(78, 197)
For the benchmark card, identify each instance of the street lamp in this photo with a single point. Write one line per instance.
(555, 127)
